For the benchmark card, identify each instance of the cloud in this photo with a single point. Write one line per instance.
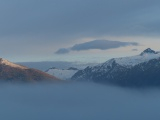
(61, 18)
(96, 44)
(77, 101)
(63, 51)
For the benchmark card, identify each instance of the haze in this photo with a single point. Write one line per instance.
(78, 101)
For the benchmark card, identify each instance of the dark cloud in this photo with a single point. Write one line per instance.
(96, 44)
(63, 51)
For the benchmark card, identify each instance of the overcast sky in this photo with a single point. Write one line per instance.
(32, 30)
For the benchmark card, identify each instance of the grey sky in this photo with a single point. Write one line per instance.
(31, 27)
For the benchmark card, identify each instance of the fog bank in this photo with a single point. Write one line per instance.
(77, 101)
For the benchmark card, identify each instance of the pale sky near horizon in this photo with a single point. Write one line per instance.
(32, 30)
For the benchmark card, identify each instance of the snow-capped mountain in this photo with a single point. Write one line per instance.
(131, 61)
(135, 70)
(64, 74)
(11, 72)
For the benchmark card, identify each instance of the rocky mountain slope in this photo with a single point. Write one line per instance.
(10, 72)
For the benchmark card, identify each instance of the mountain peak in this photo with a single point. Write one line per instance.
(8, 63)
(72, 68)
(148, 51)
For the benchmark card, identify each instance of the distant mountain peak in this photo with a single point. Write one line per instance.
(148, 51)
(8, 63)
(11, 72)
(72, 68)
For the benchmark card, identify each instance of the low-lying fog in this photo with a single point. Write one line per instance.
(77, 101)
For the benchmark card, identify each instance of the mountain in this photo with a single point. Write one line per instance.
(147, 51)
(140, 70)
(64, 74)
(45, 65)
(10, 72)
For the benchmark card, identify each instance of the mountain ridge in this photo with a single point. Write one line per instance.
(126, 71)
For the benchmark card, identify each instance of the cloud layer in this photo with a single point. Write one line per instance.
(96, 44)
(34, 29)
(77, 101)
(85, 17)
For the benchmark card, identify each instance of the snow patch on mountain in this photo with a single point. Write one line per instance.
(64, 74)
(145, 56)
(134, 60)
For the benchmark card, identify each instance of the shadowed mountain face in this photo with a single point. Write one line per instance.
(135, 71)
(10, 72)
